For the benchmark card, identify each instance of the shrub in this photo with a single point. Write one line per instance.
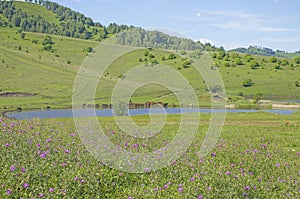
(248, 83)
(273, 59)
(172, 56)
(89, 49)
(277, 67)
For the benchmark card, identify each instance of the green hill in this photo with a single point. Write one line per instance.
(38, 70)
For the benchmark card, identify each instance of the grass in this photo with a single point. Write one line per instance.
(257, 156)
(50, 74)
(37, 10)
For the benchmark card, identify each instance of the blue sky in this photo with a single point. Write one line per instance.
(227, 23)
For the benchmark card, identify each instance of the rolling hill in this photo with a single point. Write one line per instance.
(38, 69)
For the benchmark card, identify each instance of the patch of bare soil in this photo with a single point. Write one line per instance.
(16, 94)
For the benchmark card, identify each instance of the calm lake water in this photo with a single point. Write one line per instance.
(68, 113)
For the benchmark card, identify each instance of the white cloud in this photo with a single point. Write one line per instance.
(199, 14)
(205, 40)
(250, 25)
(240, 20)
(280, 40)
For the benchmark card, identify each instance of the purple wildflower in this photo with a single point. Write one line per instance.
(8, 192)
(48, 140)
(12, 168)
(192, 179)
(228, 173)
(277, 165)
(200, 197)
(64, 164)
(180, 189)
(247, 188)
(51, 189)
(43, 155)
(23, 170)
(213, 154)
(41, 195)
(25, 185)
(7, 145)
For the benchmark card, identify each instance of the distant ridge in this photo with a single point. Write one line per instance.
(257, 50)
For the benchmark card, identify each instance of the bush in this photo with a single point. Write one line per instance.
(186, 64)
(89, 49)
(248, 83)
(273, 59)
(277, 67)
(172, 56)
(254, 64)
(297, 60)
(146, 53)
(238, 61)
(47, 47)
(240, 94)
(257, 97)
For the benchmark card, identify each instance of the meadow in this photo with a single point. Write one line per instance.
(47, 76)
(257, 156)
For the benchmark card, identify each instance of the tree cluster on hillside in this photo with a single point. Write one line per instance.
(74, 24)
(256, 50)
(154, 39)
(71, 23)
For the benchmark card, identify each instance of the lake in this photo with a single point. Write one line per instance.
(68, 113)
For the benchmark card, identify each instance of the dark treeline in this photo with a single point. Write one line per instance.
(155, 39)
(74, 24)
(71, 23)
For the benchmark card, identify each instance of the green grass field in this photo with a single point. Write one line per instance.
(257, 156)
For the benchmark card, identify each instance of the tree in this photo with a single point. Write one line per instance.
(47, 47)
(172, 56)
(146, 53)
(238, 61)
(48, 40)
(254, 64)
(22, 35)
(186, 64)
(248, 58)
(257, 97)
(273, 59)
(89, 49)
(297, 60)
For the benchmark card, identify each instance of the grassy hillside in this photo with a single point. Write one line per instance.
(37, 10)
(46, 77)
